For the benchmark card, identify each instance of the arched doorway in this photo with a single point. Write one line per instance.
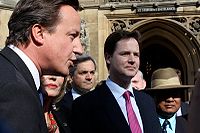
(166, 43)
(157, 55)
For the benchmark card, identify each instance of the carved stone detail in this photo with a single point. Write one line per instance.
(125, 24)
(192, 23)
(84, 36)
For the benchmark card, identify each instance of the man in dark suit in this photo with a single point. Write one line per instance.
(39, 42)
(168, 92)
(194, 117)
(104, 109)
(82, 76)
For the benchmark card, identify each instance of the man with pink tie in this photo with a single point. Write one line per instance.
(114, 106)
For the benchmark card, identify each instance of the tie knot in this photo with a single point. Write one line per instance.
(126, 95)
(165, 123)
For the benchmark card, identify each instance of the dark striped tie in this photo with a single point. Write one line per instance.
(164, 126)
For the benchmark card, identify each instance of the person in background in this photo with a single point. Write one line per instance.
(194, 109)
(167, 91)
(108, 108)
(138, 81)
(43, 39)
(183, 110)
(53, 88)
(81, 80)
(83, 75)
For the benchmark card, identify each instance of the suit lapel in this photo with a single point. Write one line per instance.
(63, 112)
(20, 66)
(66, 103)
(112, 109)
(142, 109)
(181, 125)
(17, 62)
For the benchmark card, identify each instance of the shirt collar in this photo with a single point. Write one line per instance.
(74, 94)
(116, 89)
(171, 120)
(29, 63)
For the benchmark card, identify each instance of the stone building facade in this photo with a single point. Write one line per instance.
(170, 31)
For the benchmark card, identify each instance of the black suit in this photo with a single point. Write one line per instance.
(181, 125)
(99, 112)
(63, 112)
(20, 106)
(194, 117)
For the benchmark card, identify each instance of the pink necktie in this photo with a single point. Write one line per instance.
(133, 122)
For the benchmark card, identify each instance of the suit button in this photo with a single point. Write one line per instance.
(65, 124)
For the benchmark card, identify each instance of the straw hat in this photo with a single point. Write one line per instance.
(166, 78)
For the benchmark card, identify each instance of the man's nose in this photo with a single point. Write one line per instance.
(89, 76)
(131, 58)
(78, 47)
(169, 99)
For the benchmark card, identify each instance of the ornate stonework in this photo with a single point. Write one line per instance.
(190, 22)
(84, 35)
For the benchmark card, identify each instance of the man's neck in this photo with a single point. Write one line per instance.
(121, 82)
(165, 115)
(79, 90)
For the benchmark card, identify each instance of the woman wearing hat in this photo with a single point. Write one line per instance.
(167, 91)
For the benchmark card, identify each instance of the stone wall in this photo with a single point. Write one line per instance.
(6, 7)
(98, 18)
(4, 17)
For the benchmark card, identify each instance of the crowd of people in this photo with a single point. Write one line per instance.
(48, 84)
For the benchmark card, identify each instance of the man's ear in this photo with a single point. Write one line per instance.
(37, 34)
(144, 83)
(107, 58)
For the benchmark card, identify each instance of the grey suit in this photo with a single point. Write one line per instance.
(20, 106)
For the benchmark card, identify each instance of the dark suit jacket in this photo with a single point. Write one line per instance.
(194, 117)
(63, 112)
(181, 125)
(20, 106)
(184, 108)
(99, 112)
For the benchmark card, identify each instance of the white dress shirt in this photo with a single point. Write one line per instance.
(179, 113)
(75, 94)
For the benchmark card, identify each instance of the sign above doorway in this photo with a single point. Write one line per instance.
(155, 9)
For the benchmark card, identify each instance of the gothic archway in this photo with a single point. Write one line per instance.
(166, 43)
